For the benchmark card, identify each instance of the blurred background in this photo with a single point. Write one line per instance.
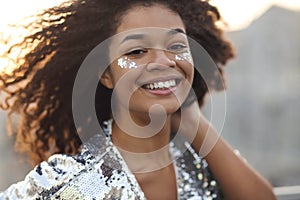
(263, 96)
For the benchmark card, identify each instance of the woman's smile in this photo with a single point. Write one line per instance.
(164, 85)
(145, 64)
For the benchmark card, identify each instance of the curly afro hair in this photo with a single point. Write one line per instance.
(39, 90)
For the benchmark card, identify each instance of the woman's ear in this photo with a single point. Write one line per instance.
(106, 79)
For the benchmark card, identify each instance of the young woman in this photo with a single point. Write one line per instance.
(145, 94)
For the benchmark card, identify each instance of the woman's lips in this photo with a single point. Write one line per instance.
(161, 87)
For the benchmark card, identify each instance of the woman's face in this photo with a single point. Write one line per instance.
(150, 60)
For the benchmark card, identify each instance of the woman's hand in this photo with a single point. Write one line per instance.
(237, 179)
(186, 121)
(192, 124)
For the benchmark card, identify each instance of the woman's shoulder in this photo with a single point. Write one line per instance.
(94, 173)
(49, 176)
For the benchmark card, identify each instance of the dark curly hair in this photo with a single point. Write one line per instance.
(39, 90)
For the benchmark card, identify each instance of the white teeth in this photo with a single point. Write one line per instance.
(167, 84)
(161, 85)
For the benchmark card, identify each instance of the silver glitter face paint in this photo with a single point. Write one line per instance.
(126, 63)
(177, 57)
(185, 56)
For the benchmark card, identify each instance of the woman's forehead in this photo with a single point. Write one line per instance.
(152, 16)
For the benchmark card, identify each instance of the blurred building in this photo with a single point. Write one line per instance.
(263, 108)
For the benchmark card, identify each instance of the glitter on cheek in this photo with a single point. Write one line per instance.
(184, 56)
(126, 63)
(122, 63)
(179, 58)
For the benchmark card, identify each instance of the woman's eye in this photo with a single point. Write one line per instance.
(136, 52)
(177, 47)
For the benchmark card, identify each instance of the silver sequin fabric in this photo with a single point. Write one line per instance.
(98, 171)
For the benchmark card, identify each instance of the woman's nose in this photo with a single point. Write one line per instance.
(160, 59)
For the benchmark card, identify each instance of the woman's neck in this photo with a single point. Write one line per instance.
(144, 154)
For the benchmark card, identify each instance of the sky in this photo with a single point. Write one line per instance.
(240, 13)
(237, 13)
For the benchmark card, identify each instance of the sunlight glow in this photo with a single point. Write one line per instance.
(14, 10)
(21, 14)
(240, 13)
(237, 13)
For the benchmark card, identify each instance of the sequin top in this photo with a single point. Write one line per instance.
(100, 172)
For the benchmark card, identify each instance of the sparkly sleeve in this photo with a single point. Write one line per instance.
(44, 180)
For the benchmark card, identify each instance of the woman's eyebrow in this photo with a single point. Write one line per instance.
(176, 31)
(140, 36)
(133, 37)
